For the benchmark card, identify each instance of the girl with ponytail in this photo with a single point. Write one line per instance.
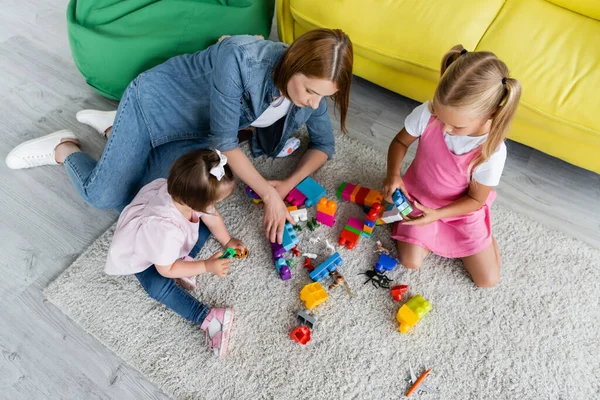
(459, 160)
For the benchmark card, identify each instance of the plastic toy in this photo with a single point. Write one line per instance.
(278, 250)
(397, 292)
(313, 295)
(241, 253)
(299, 214)
(348, 239)
(289, 237)
(283, 269)
(385, 263)
(309, 255)
(326, 210)
(295, 251)
(301, 335)
(338, 279)
(330, 247)
(401, 202)
(371, 219)
(228, 253)
(390, 214)
(381, 249)
(358, 194)
(418, 383)
(326, 267)
(295, 197)
(312, 224)
(307, 319)
(308, 264)
(411, 312)
(312, 190)
(297, 227)
(377, 279)
(253, 195)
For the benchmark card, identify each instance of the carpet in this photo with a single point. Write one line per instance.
(535, 336)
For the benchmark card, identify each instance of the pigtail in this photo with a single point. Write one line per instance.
(451, 56)
(501, 121)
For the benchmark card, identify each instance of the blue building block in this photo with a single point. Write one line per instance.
(312, 190)
(279, 263)
(401, 203)
(385, 263)
(283, 269)
(370, 224)
(289, 237)
(326, 267)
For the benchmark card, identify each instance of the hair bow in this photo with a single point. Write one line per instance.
(219, 171)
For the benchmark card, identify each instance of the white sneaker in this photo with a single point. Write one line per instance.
(37, 152)
(99, 120)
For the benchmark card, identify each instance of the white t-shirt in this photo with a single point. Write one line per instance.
(277, 110)
(488, 173)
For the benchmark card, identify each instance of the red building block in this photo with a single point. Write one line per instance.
(301, 335)
(362, 195)
(348, 239)
(397, 291)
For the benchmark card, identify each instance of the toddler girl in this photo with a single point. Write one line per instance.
(459, 159)
(164, 228)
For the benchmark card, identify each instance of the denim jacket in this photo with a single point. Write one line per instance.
(242, 89)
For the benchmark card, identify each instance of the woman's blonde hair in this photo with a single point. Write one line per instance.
(479, 82)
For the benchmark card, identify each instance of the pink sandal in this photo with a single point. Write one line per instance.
(217, 326)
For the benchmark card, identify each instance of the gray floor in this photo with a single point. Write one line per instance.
(44, 226)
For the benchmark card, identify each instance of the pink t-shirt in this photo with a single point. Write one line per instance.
(150, 230)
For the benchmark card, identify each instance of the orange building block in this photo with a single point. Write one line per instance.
(354, 193)
(328, 207)
(373, 197)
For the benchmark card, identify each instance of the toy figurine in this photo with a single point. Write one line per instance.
(338, 279)
(308, 264)
(377, 279)
(381, 249)
(330, 247)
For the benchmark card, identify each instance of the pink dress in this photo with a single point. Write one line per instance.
(436, 178)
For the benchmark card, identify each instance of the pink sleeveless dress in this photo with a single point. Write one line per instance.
(436, 178)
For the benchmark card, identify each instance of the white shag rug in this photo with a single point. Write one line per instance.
(535, 336)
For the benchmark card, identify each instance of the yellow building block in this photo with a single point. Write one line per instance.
(411, 312)
(313, 295)
(327, 206)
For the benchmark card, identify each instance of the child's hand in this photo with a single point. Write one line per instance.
(236, 244)
(429, 215)
(390, 184)
(217, 266)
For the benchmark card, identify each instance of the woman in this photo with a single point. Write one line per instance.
(202, 100)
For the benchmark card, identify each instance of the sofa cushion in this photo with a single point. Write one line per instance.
(394, 33)
(551, 51)
(589, 8)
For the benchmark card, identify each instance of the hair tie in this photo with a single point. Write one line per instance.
(504, 81)
(464, 51)
(219, 171)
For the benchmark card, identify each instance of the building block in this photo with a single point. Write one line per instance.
(283, 269)
(353, 230)
(385, 263)
(373, 197)
(325, 219)
(301, 335)
(367, 231)
(355, 223)
(340, 190)
(295, 197)
(390, 214)
(312, 190)
(328, 207)
(313, 295)
(348, 239)
(347, 191)
(354, 193)
(292, 208)
(373, 213)
(401, 202)
(411, 312)
(299, 215)
(397, 291)
(361, 196)
(252, 194)
(306, 319)
(326, 267)
(278, 250)
(228, 253)
(289, 237)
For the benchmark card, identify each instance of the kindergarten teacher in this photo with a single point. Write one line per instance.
(202, 100)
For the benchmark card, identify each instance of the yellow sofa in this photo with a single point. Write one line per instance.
(552, 47)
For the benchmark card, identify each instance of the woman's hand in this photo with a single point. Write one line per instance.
(276, 214)
(282, 187)
(429, 215)
(390, 184)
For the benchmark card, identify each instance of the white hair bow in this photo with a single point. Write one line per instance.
(219, 171)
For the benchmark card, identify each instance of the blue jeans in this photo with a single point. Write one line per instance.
(168, 293)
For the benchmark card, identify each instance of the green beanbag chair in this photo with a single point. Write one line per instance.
(113, 41)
